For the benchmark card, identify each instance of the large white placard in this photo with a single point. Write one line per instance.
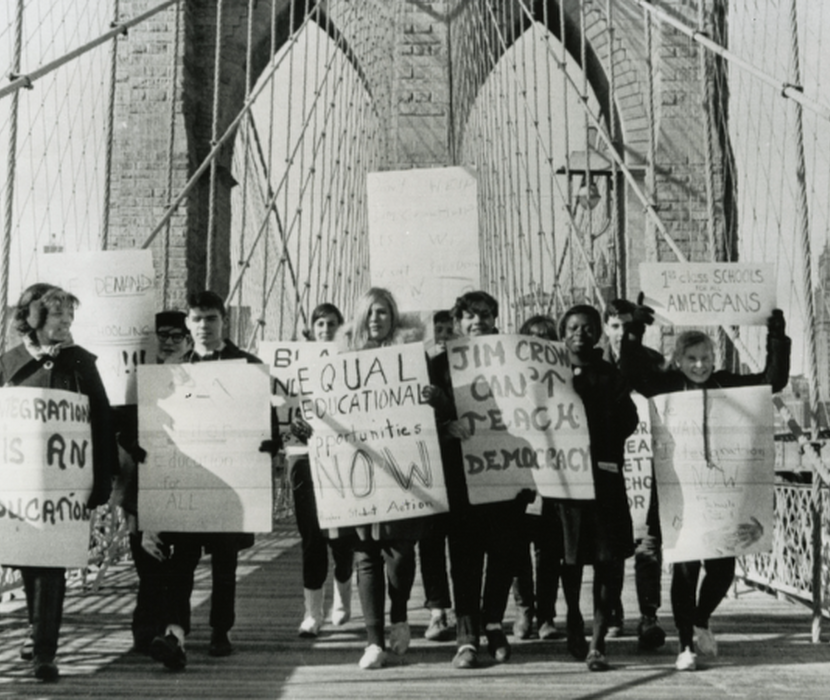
(700, 294)
(116, 318)
(528, 428)
(423, 235)
(46, 477)
(374, 452)
(714, 463)
(202, 425)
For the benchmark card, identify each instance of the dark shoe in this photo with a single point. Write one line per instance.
(497, 645)
(27, 649)
(466, 657)
(438, 630)
(523, 626)
(220, 645)
(46, 671)
(596, 661)
(169, 651)
(650, 634)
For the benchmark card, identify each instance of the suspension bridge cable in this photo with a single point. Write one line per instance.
(110, 135)
(205, 164)
(27, 80)
(787, 89)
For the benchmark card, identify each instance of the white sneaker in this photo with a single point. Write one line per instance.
(341, 609)
(686, 660)
(399, 637)
(705, 642)
(373, 657)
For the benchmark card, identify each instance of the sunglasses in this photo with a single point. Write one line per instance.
(175, 337)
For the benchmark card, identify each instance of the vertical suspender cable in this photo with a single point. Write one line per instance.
(171, 143)
(214, 136)
(110, 135)
(8, 212)
(652, 250)
(246, 149)
(620, 257)
(802, 216)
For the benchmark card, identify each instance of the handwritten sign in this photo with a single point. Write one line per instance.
(202, 425)
(713, 461)
(527, 424)
(288, 363)
(694, 294)
(116, 318)
(374, 452)
(423, 235)
(45, 477)
(638, 467)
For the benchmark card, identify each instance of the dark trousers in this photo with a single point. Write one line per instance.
(45, 589)
(690, 608)
(432, 551)
(224, 557)
(314, 544)
(539, 532)
(477, 533)
(397, 557)
(164, 587)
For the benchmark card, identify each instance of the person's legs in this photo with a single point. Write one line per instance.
(45, 588)
(432, 554)
(714, 587)
(314, 549)
(342, 551)
(466, 547)
(523, 590)
(146, 622)
(683, 597)
(608, 582)
(547, 552)
(371, 587)
(572, 589)
(648, 570)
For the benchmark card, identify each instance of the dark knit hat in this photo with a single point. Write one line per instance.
(171, 318)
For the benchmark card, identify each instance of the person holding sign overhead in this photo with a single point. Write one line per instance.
(48, 359)
(597, 532)
(693, 368)
(391, 544)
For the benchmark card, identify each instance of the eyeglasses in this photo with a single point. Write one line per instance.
(175, 337)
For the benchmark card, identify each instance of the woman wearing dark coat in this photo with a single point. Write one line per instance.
(597, 532)
(48, 359)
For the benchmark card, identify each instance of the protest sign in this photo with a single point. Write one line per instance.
(699, 294)
(713, 462)
(638, 467)
(423, 235)
(202, 426)
(45, 477)
(116, 318)
(528, 428)
(374, 452)
(287, 362)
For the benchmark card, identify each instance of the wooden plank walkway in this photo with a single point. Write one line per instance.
(765, 651)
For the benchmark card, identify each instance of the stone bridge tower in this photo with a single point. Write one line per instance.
(662, 91)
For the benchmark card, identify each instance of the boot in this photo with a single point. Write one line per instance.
(341, 608)
(313, 618)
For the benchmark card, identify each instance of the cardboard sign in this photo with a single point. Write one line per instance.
(701, 294)
(528, 426)
(202, 426)
(638, 467)
(713, 460)
(374, 452)
(288, 362)
(46, 477)
(423, 235)
(116, 318)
